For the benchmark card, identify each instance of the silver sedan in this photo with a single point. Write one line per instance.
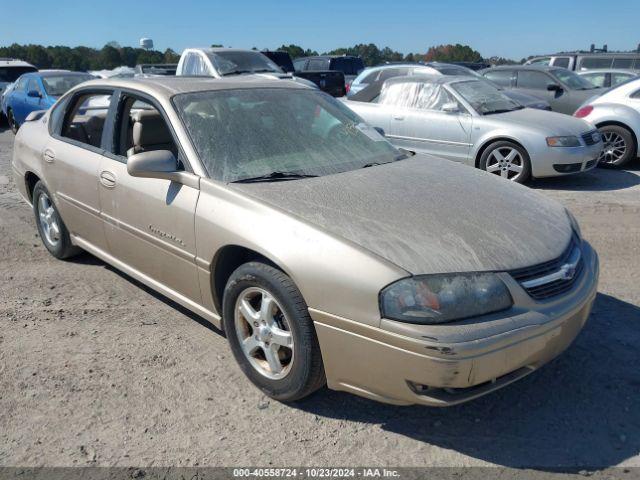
(471, 121)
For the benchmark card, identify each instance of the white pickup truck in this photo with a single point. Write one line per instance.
(224, 62)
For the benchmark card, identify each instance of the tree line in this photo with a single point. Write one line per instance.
(113, 55)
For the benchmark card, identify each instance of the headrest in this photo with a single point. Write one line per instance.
(149, 128)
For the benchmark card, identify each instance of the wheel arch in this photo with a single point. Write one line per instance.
(489, 141)
(30, 180)
(226, 260)
(606, 123)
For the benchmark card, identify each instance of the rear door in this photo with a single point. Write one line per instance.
(72, 159)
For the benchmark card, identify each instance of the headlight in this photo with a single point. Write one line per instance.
(430, 299)
(574, 224)
(570, 141)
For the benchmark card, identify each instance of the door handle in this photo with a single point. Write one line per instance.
(107, 179)
(48, 155)
(397, 116)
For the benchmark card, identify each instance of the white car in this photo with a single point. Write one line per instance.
(616, 114)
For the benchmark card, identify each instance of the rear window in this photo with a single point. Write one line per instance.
(347, 65)
(11, 74)
(282, 59)
(623, 63)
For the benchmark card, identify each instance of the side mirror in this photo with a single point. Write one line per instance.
(379, 130)
(155, 164)
(451, 107)
(34, 94)
(554, 87)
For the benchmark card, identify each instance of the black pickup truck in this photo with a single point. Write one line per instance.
(349, 65)
(330, 81)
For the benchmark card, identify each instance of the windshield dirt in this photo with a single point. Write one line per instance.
(242, 134)
(484, 97)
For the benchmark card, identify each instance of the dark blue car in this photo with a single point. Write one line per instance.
(38, 91)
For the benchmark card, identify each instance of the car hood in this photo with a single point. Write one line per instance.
(427, 215)
(549, 123)
(526, 100)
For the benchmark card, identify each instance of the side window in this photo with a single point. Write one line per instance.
(22, 84)
(622, 62)
(533, 80)
(371, 77)
(317, 64)
(33, 85)
(598, 79)
(636, 94)
(57, 115)
(86, 118)
(561, 62)
(540, 61)
(422, 95)
(392, 72)
(502, 78)
(618, 78)
(141, 128)
(589, 63)
(299, 64)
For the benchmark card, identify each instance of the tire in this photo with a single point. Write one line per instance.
(620, 147)
(490, 162)
(12, 121)
(302, 369)
(52, 230)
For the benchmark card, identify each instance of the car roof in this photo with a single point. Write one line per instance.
(609, 70)
(219, 49)
(545, 68)
(58, 73)
(12, 62)
(169, 86)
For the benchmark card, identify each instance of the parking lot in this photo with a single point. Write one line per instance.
(96, 369)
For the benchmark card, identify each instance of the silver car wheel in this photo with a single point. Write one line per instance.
(48, 220)
(264, 333)
(614, 148)
(506, 162)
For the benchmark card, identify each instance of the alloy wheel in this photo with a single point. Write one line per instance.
(264, 333)
(506, 162)
(49, 220)
(615, 148)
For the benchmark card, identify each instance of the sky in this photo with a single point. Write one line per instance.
(507, 28)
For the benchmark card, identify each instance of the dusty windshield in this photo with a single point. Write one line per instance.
(484, 97)
(239, 62)
(243, 134)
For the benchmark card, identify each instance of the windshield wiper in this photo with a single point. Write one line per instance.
(503, 110)
(235, 72)
(277, 175)
(265, 70)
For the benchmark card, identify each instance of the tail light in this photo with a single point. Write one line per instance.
(583, 112)
(347, 87)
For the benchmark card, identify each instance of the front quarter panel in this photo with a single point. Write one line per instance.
(333, 275)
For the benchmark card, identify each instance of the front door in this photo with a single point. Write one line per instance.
(149, 222)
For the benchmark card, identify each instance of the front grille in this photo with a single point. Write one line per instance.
(589, 137)
(555, 286)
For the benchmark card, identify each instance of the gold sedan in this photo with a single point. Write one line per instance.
(327, 255)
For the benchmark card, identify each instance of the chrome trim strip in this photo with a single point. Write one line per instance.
(429, 140)
(566, 272)
(148, 238)
(83, 206)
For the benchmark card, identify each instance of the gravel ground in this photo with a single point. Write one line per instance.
(95, 369)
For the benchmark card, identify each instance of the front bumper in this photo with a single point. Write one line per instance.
(449, 364)
(556, 161)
